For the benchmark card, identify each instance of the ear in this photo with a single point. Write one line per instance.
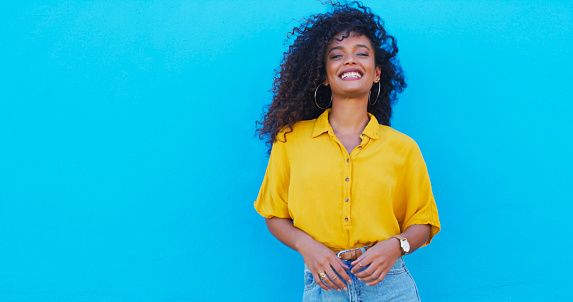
(325, 83)
(378, 72)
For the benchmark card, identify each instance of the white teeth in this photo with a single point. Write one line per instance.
(352, 74)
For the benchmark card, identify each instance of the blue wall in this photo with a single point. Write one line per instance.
(128, 162)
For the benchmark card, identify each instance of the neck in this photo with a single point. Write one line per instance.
(349, 115)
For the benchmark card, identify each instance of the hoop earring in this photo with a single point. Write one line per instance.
(316, 103)
(375, 100)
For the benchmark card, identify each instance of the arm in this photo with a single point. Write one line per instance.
(382, 256)
(316, 255)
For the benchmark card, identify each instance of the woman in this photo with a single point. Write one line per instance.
(342, 188)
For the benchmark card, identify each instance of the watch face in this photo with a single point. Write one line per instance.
(406, 246)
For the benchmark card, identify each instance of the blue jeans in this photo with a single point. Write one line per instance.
(397, 286)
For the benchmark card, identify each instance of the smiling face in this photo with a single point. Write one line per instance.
(350, 67)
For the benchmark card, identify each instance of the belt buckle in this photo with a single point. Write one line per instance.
(342, 252)
(362, 249)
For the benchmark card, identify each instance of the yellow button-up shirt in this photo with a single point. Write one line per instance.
(347, 200)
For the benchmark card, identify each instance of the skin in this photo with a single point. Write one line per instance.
(349, 113)
(348, 119)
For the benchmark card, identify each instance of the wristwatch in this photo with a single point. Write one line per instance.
(404, 244)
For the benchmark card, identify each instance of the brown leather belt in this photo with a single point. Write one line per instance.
(352, 254)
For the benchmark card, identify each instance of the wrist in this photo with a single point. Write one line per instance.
(403, 243)
(396, 246)
(301, 243)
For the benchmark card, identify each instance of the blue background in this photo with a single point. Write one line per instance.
(129, 165)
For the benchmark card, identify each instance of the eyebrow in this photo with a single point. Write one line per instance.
(340, 47)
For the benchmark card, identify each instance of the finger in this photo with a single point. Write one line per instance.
(327, 280)
(364, 268)
(368, 275)
(361, 262)
(320, 283)
(367, 271)
(342, 264)
(360, 259)
(341, 270)
(359, 266)
(338, 281)
(377, 280)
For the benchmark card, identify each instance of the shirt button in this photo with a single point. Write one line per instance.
(363, 135)
(359, 147)
(348, 160)
(347, 179)
(346, 219)
(346, 199)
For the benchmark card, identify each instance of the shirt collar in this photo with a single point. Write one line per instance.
(322, 125)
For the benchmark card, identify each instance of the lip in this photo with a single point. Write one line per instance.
(351, 70)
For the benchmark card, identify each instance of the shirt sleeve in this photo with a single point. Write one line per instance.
(273, 195)
(416, 204)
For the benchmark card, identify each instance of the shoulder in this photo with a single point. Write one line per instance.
(392, 135)
(299, 131)
(406, 148)
(399, 143)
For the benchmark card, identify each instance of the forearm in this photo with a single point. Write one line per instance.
(321, 261)
(287, 233)
(417, 235)
(382, 256)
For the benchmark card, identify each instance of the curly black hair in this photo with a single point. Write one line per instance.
(303, 68)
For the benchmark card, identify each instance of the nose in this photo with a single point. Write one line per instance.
(350, 60)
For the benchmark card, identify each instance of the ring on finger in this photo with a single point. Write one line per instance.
(334, 278)
(360, 264)
(322, 275)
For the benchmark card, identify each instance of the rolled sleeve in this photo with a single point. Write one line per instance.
(272, 200)
(417, 200)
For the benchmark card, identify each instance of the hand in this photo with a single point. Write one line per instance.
(321, 259)
(380, 258)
